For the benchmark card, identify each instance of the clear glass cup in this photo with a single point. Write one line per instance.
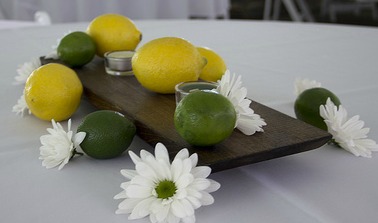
(118, 63)
(185, 88)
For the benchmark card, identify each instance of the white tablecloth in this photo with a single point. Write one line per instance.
(323, 185)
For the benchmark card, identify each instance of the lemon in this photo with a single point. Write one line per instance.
(162, 63)
(215, 66)
(53, 91)
(307, 105)
(76, 49)
(113, 32)
(204, 118)
(108, 134)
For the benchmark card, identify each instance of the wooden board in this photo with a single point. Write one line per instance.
(152, 114)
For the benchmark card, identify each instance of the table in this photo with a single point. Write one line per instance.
(323, 185)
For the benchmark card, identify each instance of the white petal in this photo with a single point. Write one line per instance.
(142, 181)
(194, 159)
(125, 185)
(161, 153)
(176, 168)
(141, 210)
(129, 174)
(161, 212)
(21, 107)
(134, 157)
(189, 219)
(184, 180)
(78, 138)
(206, 198)
(194, 201)
(144, 155)
(129, 204)
(214, 186)
(200, 184)
(120, 195)
(171, 218)
(201, 171)
(304, 84)
(178, 209)
(182, 154)
(145, 170)
(137, 191)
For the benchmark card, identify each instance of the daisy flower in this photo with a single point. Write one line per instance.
(21, 107)
(26, 69)
(304, 84)
(164, 191)
(247, 121)
(59, 146)
(349, 134)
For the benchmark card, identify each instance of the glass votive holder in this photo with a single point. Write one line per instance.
(118, 63)
(185, 88)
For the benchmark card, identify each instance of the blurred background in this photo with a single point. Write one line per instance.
(355, 12)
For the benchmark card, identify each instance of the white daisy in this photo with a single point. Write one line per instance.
(54, 53)
(167, 192)
(26, 69)
(347, 133)
(21, 107)
(59, 146)
(304, 84)
(247, 121)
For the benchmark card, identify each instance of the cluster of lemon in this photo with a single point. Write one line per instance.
(53, 91)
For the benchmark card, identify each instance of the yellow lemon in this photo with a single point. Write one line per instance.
(53, 91)
(162, 63)
(215, 66)
(113, 32)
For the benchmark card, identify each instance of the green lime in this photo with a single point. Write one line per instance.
(205, 118)
(76, 49)
(108, 134)
(307, 105)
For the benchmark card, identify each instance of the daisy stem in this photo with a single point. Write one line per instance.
(75, 152)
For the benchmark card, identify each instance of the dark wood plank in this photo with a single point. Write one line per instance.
(153, 116)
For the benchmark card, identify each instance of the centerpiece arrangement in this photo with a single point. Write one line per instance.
(135, 90)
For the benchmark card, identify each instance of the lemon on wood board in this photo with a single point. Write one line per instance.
(307, 105)
(76, 49)
(53, 91)
(204, 118)
(112, 32)
(108, 134)
(164, 62)
(215, 66)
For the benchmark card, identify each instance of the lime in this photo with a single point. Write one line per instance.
(108, 134)
(307, 105)
(162, 63)
(76, 49)
(113, 32)
(215, 66)
(53, 91)
(205, 118)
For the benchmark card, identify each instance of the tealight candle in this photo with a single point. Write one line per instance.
(185, 88)
(119, 63)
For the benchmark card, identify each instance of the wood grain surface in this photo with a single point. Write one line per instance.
(152, 114)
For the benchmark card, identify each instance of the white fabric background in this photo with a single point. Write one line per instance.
(323, 185)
